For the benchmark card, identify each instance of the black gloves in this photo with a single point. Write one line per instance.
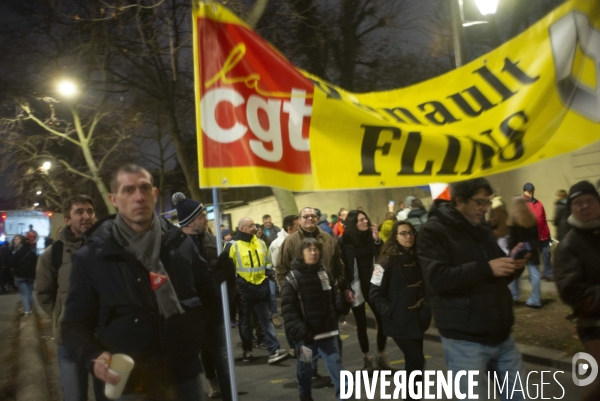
(270, 273)
(224, 269)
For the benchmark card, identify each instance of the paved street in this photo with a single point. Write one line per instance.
(8, 332)
(259, 381)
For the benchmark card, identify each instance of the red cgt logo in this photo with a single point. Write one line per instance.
(255, 105)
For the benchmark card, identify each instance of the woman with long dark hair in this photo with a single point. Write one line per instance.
(398, 293)
(360, 245)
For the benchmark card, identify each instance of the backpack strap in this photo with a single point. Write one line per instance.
(291, 278)
(56, 256)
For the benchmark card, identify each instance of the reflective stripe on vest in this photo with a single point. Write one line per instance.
(244, 271)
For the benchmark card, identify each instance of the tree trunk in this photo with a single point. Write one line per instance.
(286, 201)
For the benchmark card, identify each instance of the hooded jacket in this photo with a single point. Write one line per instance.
(51, 286)
(468, 302)
(112, 307)
(538, 211)
(578, 271)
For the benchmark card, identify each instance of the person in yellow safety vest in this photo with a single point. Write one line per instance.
(251, 258)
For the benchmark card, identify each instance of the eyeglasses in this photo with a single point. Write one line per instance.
(481, 202)
(309, 216)
(579, 204)
(405, 234)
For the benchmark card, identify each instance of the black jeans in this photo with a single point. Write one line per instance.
(413, 356)
(360, 315)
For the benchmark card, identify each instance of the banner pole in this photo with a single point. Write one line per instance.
(225, 300)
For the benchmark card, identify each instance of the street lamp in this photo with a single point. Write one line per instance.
(487, 7)
(46, 166)
(36, 204)
(38, 193)
(67, 88)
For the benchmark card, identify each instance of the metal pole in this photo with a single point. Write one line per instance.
(457, 32)
(225, 300)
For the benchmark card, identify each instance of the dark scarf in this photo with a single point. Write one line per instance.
(314, 234)
(240, 236)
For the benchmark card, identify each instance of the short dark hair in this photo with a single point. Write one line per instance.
(466, 189)
(307, 243)
(266, 216)
(129, 168)
(68, 204)
(288, 221)
(417, 204)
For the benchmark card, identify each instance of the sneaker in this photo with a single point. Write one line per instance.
(292, 353)
(247, 357)
(278, 356)
(214, 391)
(382, 363)
(368, 366)
(276, 321)
(261, 345)
(315, 375)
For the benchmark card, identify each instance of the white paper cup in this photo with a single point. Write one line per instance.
(120, 365)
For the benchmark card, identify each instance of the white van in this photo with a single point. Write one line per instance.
(13, 222)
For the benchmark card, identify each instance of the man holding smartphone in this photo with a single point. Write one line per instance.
(467, 276)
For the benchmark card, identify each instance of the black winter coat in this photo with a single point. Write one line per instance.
(577, 272)
(561, 216)
(525, 234)
(350, 252)
(400, 297)
(24, 262)
(468, 302)
(111, 307)
(317, 312)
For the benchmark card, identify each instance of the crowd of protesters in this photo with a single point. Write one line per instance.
(134, 283)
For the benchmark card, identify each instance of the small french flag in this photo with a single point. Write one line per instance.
(439, 191)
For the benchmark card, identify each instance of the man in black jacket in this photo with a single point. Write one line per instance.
(139, 287)
(467, 276)
(578, 271)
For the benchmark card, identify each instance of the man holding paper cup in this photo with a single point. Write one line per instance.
(140, 289)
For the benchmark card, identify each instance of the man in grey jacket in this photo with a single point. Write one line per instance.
(52, 286)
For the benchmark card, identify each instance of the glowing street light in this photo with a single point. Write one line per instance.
(67, 88)
(487, 7)
(38, 193)
(46, 166)
(36, 204)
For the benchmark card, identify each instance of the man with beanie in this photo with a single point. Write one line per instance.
(193, 222)
(52, 286)
(544, 240)
(139, 287)
(578, 271)
(251, 259)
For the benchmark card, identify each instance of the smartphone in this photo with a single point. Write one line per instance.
(391, 203)
(525, 249)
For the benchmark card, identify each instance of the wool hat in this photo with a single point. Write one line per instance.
(187, 209)
(581, 188)
(528, 187)
(225, 231)
(408, 201)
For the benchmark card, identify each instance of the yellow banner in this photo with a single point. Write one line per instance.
(262, 121)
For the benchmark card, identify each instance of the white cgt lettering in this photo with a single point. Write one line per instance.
(296, 107)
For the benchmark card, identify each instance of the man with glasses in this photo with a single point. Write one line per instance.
(308, 227)
(467, 276)
(578, 271)
(544, 240)
(251, 259)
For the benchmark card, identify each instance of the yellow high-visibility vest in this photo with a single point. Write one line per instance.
(251, 259)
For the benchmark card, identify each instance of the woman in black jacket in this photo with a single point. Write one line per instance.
(22, 265)
(360, 245)
(308, 306)
(398, 293)
(523, 228)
